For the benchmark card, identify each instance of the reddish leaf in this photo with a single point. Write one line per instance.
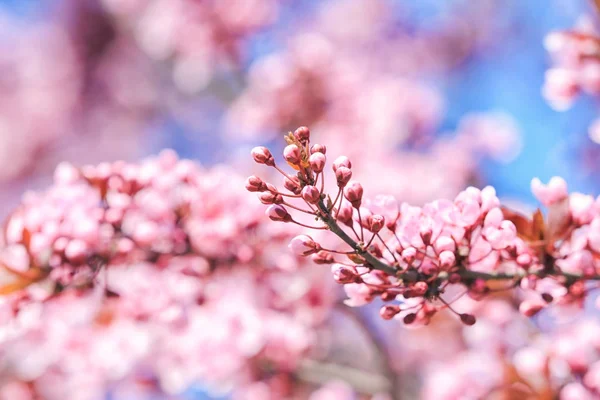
(522, 223)
(559, 220)
(26, 238)
(538, 227)
(14, 286)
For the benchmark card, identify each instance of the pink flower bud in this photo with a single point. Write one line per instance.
(255, 184)
(293, 184)
(318, 148)
(454, 278)
(341, 161)
(420, 288)
(311, 194)
(429, 268)
(302, 134)
(303, 245)
(262, 155)
(389, 311)
(353, 192)
(467, 319)
(447, 259)
(345, 275)
(65, 173)
(524, 259)
(278, 213)
(376, 223)
(76, 251)
(547, 297)
(444, 243)
(479, 286)
(530, 308)
(292, 154)
(409, 254)
(426, 233)
(317, 162)
(323, 257)
(553, 192)
(345, 214)
(343, 175)
(409, 318)
(270, 198)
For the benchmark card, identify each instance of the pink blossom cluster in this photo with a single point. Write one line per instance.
(56, 84)
(321, 76)
(149, 278)
(568, 241)
(39, 89)
(503, 355)
(195, 37)
(576, 55)
(362, 88)
(411, 256)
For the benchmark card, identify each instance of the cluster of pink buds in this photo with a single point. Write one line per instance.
(576, 54)
(415, 258)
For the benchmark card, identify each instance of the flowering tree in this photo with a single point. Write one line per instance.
(162, 278)
(421, 260)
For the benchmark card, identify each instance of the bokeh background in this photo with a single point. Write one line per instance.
(427, 96)
(102, 80)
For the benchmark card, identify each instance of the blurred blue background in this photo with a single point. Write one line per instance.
(506, 76)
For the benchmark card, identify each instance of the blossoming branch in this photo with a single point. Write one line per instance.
(419, 260)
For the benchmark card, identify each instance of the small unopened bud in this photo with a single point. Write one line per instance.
(292, 184)
(387, 296)
(303, 245)
(444, 243)
(447, 259)
(529, 309)
(376, 249)
(255, 184)
(317, 162)
(345, 214)
(323, 257)
(311, 194)
(548, 298)
(479, 286)
(428, 268)
(468, 319)
(409, 254)
(353, 192)
(426, 234)
(577, 289)
(420, 288)
(410, 318)
(376, 223)
(454, 278)
(302, 134)
(76, 251)
(278, 213)
(262, 155)
(318, 148)
(292, 154)
(270, 198)
(524, 259)
(345, 275)
(341, 161)
(343, 176)
(389, 311)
